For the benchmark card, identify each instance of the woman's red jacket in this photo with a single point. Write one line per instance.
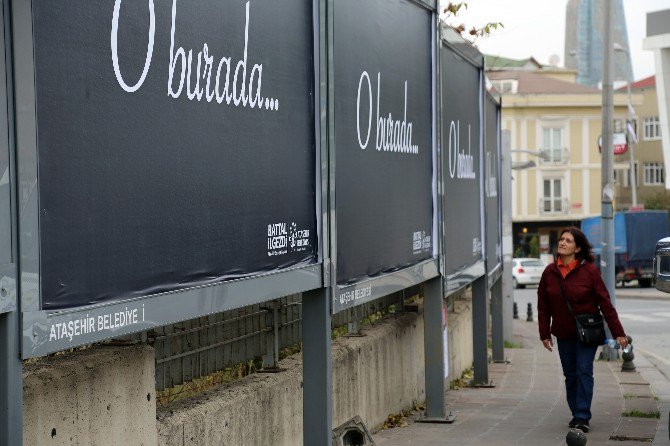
(585, 289)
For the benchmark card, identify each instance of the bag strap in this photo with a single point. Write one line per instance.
(567, 302)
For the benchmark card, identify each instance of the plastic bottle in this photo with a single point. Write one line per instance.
(612, 343)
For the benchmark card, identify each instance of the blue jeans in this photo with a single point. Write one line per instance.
(577, 361)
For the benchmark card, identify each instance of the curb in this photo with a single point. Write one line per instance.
(637, 398)
(643, 297)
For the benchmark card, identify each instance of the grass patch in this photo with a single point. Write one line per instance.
(463, 381)
(506, 344)
(204, 383)
(400, 419)
(628, 396)
(639, 414)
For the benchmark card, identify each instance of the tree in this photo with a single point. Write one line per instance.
(451, 12)
(534, 246)
(660, 200)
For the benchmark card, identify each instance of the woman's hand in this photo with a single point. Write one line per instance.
(622, 341)
(548, 344)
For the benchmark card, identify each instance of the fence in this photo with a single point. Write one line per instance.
(200, 347)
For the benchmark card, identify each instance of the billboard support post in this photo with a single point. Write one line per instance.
(507, 250)
(479, 332)
(498, 321)
(434, 353)
(317, 368)
(11, 380)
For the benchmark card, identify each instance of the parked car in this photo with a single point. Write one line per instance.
(527, 271)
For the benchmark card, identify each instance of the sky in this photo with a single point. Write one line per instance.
(537, 28)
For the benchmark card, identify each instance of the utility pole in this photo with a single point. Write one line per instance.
(631, 118)
(607, 167)
(631, 147)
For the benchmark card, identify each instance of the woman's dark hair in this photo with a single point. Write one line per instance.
(582, 242)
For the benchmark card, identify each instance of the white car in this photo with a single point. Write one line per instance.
(527, 271)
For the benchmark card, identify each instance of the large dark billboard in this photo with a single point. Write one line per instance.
(176, 144)
(383, 136)
(492, 182)
(461, 157)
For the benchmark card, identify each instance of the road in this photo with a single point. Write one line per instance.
(645, 315)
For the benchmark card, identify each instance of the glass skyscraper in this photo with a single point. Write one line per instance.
(584, 30)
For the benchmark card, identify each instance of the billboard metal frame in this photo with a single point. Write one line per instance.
(391, 282)
(7, 270)
(151, 310)
(468, 275)
(495, 271)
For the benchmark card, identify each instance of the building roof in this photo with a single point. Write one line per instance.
(500, 63)
(532, 83)
(642, 83)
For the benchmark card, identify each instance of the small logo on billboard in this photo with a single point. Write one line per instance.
(421, 242)
(284, 238)
(277, 239)
(476, 246)
(298, 239)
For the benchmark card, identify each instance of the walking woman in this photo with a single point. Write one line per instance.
(574, 277)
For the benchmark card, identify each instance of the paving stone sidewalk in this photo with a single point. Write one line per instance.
(528, 406)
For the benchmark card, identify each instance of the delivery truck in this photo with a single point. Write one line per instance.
(635, 237)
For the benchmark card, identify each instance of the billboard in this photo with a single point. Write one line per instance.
(461, 122)
(492, 183)
(176, 150)
(383, 137)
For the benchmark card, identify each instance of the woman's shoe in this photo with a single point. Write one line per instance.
(582, 425)
(572, 423)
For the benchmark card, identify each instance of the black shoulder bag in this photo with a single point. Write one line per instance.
(590, 327)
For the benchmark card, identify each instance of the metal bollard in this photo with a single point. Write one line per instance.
(529, 313)
(628, 365)
(516, 311)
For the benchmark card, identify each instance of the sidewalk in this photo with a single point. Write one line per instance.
(528, 407)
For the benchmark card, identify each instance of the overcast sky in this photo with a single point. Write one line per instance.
(537, 28)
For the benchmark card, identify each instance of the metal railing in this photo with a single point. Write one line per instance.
(554, 205)
(200, 347)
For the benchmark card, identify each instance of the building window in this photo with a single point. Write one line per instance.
(552, 201)
(622, 176)
(618, 126)
(653, 174)
(552, 143)
(505, 86)
(652, 128)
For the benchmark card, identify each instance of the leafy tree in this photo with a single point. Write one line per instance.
(534, 246)
(660, 200)
(451, 11)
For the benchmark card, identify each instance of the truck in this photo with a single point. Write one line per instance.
(635, 237)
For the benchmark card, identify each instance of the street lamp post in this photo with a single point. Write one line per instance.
(631, 143)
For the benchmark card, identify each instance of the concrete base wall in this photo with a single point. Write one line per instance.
(459, 323)
(101, 396)
(374, 375)
(380, 373)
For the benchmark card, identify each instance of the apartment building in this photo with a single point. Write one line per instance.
(555, 126)
(649, 168)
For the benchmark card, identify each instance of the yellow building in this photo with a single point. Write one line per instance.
(555, 123)
(648, 151)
